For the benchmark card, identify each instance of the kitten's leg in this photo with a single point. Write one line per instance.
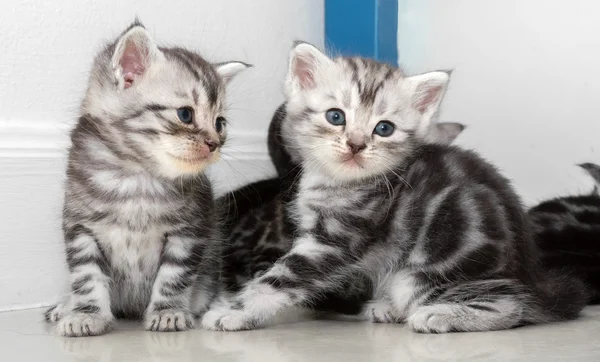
(296, 280)
(471, 306)
(170, 306)
(87, 310)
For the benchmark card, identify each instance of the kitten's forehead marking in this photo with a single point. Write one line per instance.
(200, 69)
(183, 58)
(195, 96)
(368, 77)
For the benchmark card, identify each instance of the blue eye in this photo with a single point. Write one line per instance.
(185, 114)
(220, 124)
(384, 129)
(336, 117)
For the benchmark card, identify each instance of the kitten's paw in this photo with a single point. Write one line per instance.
(229, 320)
(54, 313)
(430, 320)
(83, 325)
(381, 312)
(168, 320)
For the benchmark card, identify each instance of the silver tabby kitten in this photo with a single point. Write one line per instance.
(432, 233)
(138, 218)
(256, 221)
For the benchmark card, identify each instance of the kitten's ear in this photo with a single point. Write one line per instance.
(446, 132)
(228, 70)
(135, 52)
(304, 65)
(428, 92)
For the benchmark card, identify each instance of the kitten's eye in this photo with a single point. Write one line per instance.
(384, 129)
(185, 114)
(336, 117)
(220, 124)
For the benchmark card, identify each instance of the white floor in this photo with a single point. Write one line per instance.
(24, 336)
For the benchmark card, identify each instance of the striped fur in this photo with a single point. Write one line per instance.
(432, 234)
(138, 219)
(567, 230)
(257, 226)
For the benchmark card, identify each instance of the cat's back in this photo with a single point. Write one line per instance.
(440, 169)
(568, 223)
(458, 205)
(567, 232)
(563, 213)
(439, 166)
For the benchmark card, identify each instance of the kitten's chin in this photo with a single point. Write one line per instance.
(173, 167)
(350, 170)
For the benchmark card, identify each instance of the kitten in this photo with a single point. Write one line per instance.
(257, 227)
(567, 230)
(137, 245)
(438, 237)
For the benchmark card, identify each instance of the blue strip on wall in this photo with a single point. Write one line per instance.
(368, 28)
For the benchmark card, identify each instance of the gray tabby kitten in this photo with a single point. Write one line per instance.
(138, 218)
(256, 223)
(432, 233)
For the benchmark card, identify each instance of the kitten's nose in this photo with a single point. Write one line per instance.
(212, 145)
(356, 147)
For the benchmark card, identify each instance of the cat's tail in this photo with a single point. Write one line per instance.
(560, 296)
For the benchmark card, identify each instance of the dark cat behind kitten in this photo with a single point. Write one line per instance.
(567, 231)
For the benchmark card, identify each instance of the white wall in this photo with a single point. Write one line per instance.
(526, 81)
(46, 51)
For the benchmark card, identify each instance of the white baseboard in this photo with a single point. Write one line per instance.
(32, 165)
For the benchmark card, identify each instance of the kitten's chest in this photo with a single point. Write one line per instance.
(318, 201)
(136, 201)
(132, 254)
(142, 213)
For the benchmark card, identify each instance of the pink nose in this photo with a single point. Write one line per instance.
(356, 147)
(212, 145)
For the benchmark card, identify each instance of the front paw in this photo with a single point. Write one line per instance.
(381, 312)
(83, 325)
(168, 320)
(430, 320)
(229, 320)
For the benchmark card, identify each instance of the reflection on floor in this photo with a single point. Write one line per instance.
(25, 337)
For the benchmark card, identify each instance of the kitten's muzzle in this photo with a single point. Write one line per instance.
(356, 147)
(212, 145)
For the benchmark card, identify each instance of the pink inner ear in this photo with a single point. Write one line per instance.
(427, 98)
(132, 63)
(303, 73)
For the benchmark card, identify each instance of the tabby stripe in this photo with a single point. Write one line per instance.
(86, 308)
